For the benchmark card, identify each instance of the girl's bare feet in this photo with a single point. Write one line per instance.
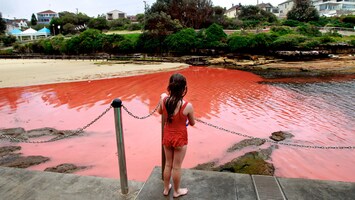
(180, 192)
(166, 191)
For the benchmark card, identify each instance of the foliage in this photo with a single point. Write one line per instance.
(287, 42)
(33, 20)
(254, 13)
(326, 39)
(310, 44)
(349, 19)
(7, 40)
(2, 26)
(238, 42)
(69, 28)
(291, 23)
(309, 30)
(215, 37)
(352, 42)
(182, 41)
(99, 23)
(190, 13)
(161, 24)
(303, 11)
(118, 24)
(150, 43)
(281, 30)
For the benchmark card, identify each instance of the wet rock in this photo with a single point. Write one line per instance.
(266, 153)
(8, 149)
(206, 166)
(245, 143)
(18, 161)
(249, 163)
(65, 168)
(280, 136)
(17, 133)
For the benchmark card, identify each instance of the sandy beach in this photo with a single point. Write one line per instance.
(22, 72)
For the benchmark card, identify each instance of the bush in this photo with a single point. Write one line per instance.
(8, 40)
(261, 40)
(281, 30)
(239, 42)
(310, 44)
(352, 42)
(309, 30)
(291, 23)
(288, 42)
(326, 39)
(182, 41)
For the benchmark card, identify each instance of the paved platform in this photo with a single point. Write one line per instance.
(22, 184)
(207, 185)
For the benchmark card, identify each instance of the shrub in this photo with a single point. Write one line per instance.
(291, 23)
(309, 30)
(238, 42)
(261, 40)
(288, 42)
(352, 42)
(326, 39)
(182, 41)
(310, 44)
(281, 30)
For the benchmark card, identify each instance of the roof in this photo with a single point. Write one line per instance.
(285, 2)
(15, 31)
(114, 11)
(236, 7)
(47, 12)
(29, 31)
(265, 5)
(44, 30)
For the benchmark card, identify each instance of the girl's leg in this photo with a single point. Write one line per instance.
(179, 155)
(169, 155)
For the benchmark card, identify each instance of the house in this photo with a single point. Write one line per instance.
(45, 17)
(284, 8)
(234, 11)
(334, 7)
(12, 24)
(269, 8)
(115, 14)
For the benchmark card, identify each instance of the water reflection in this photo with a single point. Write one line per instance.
(316, 112)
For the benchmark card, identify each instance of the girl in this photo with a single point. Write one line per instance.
(176, 112)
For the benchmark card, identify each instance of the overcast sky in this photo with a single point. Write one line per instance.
(25, 8)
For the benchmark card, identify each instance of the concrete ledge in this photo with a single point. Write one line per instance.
(20, 184)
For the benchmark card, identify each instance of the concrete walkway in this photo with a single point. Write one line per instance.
(21, 184)
(207, 185)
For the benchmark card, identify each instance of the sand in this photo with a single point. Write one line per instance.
(25, 72)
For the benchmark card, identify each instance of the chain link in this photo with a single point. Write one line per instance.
(69, 133)
(144, 117)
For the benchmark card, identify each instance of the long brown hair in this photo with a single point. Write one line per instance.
(177, 88)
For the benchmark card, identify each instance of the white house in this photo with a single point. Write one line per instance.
(115, 14)
(334, 7)
(233, 12)
(284, 8)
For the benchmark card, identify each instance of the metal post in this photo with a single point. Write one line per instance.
(117, 104)
(162, 147)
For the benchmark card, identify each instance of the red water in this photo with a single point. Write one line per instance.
(230, 99)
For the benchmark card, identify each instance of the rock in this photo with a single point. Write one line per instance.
(22, 162)
(280, 136)
(206, 166)
(249, 163)
(266, 153)
(64, 168)
(246, 143)
(17, 133)
(8, 149)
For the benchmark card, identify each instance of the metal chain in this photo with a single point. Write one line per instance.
(144, 117)
(275, 142)
(70, 133)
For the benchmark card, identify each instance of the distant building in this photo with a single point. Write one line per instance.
(115, 14)
(45, 17)
(234, 11)
(269, 8)
(284, 8)
(334, 7)
(324, 7)
(12, 24)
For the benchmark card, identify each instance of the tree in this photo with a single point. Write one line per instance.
(99, 23)
(2, 26)
(303, 11)
(33, 20)
(254, 13)
(182, 41)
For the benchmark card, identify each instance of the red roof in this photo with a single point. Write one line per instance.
(47, 12)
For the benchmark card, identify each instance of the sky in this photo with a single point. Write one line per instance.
(20, 9)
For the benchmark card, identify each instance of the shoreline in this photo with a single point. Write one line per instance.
(27, 72)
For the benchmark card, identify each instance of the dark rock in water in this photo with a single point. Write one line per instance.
(280, 135)
(249, 163)
(266, 153)
(8, 149)
(64, 168)
(17, 133)
(246, 143)
(18, 161)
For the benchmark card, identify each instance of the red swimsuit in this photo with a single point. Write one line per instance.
(175, 133)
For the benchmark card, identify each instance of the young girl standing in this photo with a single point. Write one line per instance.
(177, 112)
